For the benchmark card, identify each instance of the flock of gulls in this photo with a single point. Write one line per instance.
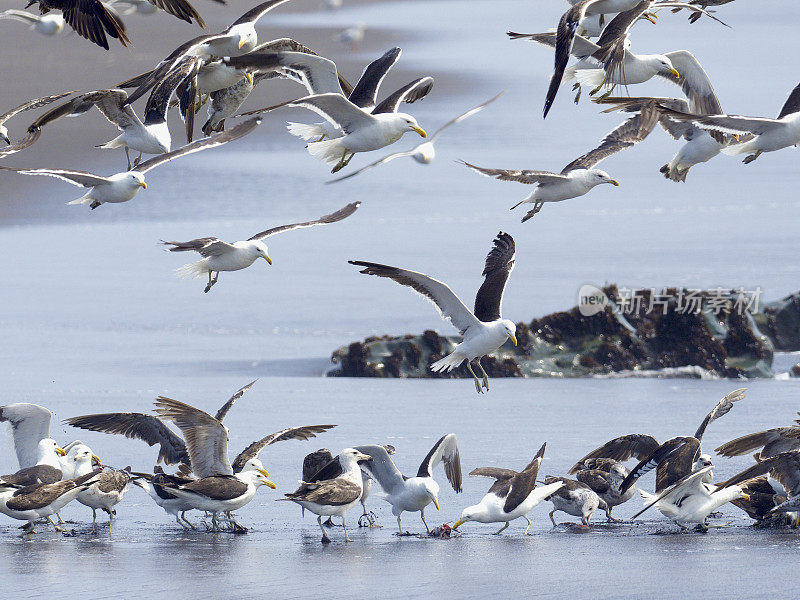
(222, 70)
(207, 481)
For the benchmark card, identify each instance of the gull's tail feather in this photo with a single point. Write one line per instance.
(647, 497)
(192, 270)
(448, 363)
(590, 77)
(329, 151)
(81, 200)
(305, 131)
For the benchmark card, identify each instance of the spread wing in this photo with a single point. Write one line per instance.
(306, 432)
(673, 460)
(466, 115)
(340, 214)
(524, 482)
(255, 13)
(694, 82)
(208, 246)
(206, 438)
(91, 19)
(444, 451)
(631, 132)
(449, 305)
(731, 124)
(76, 178)
(381, 468)
(30, 424)
(316, 462)
(499, 264)
(525, 176)
(337, 109)
(181, 9)
(22, 16)
(723, 407)
(784, 467)
(365, 93)
(791, 106)
(493, 473)
(316, 73)
(138, 426)
(622, 448)
(212, 141)
(676, 129)
(581, 47)
(225, 408)
(25, 142)
(772, 441)
(409, 93)
(380, 161)
(32, 104)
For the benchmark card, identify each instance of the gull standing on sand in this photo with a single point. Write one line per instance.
(424, 153)
(483, 330)
(413, 494)
(222, 256)
(579, 176)
(122, 187)
(511, 496)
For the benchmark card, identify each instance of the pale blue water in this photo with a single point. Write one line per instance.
(94, 320)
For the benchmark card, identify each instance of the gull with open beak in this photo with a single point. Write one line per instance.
(222, 256)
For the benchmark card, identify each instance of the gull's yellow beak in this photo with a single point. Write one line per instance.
(746, 497)
(674, 72)
(249, 77)
(735, 136)
(96, 460)
(513, 339)
(652, 17)
(614, 182)
(242, 42)
(264, 473)
(419, 130)
(60, 451)
(143, 185)
(267, 258)
(436, 503)
(459, 523)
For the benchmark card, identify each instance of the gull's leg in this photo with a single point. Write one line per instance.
(750, 158)
(503, 528)
(552, 512)
(344, 524)
(94, 520)
(329, 522)
(95, 204)
(538, 206)
(128, 156)
(475, 377)
(608, 92)
(211, 282)
(138, 159)
(609, 517)
(422, 514)
(178, 519)
(347, 162)
(214, 522)
(577, 87)
(322, 137)
(340, 165)
(485, 375)
(56, 527)
(529, 525)
(185, 520)
(110, 518)
(399, 526)
(325, 538)
(60, 520)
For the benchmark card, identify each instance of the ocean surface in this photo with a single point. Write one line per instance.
(94, 319)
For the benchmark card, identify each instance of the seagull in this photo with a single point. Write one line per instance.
(36, 502)
(46, 469)
(573, 498)
(46, 24)
(122, 187)
(770, 134)
(91, 19)
(29, 105)
(333, 497)
(30, 425)
(511, 496)
(352, 36)
(673, 460)
(238, 38)
(424, 153)
(579, 176)
(153, 484)
(605, 476)
(413, 494)
(764, 495)
(689, 500)
(222, 256)
(771, 443)
(109, 488)
(483, 330)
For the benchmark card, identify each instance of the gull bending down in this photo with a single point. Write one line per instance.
(484, 330)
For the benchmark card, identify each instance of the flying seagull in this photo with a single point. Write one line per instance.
(25, 106)
(483, 330)
(424, 153)
(413, 494)
(511, 496)
(673, 460)
(333, 497)
(45, 24)
(222, 256)
(122, 187)
(91, 19)
(770, 134)
(579, 176)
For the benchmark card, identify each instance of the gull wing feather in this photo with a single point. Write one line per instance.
(784, 467)
(364, 94)
(628, 134)
(722, 407)
(524, 481)
(409, 93)
(255, 13)
(181, 9)
(498, 267)
(694, 82)
(381, 468)
(495, 473)
(30, 424)
(449, 305)
(463, 116)
(524, 176)
(25, 142)
(380, 161)
(337, 109)
(209, 246)
(32, 104)
(212, 141)
(20, 15)
(791, 106)
(446, 451)
(732, 124)
(76, 178)
(676, 129)
(690, 480)
(622, 448)
(303, 433)
(149, 429)
(339, 215)
(316, 73)
(225, 408)
(581, 47)
(206, 438)
(772, 441)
